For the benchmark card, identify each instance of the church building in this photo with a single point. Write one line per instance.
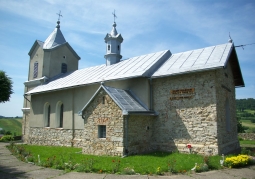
(152, 102)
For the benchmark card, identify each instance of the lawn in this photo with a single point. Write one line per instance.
(153, 163)
(250, 142)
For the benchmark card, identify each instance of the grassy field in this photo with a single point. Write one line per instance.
(248, 123)
(13, 125)
(153, 163)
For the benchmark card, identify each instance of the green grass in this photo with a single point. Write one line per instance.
(248, 123)
(143, 164)
(250, 111)
(250, 142)
(13, 125)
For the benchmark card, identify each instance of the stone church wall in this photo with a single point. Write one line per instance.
(227, 123)
(187, 113)
(103, 113)
(55, 137)
(140, 130)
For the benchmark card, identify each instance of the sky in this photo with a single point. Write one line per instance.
(147, 26)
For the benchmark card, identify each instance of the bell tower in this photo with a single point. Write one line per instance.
(113, 42)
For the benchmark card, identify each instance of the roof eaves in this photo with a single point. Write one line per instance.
(144, 113)
(68, 46)
(185, 72)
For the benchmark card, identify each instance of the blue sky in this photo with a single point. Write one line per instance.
(147, 26)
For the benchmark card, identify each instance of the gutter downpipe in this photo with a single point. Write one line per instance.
(26, 98)
(73, 125)
(151, 94)
(25, 117)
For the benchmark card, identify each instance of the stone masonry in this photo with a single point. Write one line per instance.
(139, 132)
(103, 111)
(226, 123)
(55, 137)
(189, 117)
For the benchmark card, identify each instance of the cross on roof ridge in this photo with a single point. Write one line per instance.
(114, 15)
(59, 15)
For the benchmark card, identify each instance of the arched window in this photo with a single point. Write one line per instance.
(35, 69)
(109, 47)
(227, 111)
(47, 115)
(59, 114)
(63, 68)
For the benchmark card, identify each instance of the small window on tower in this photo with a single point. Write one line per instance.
(108, 47)
(118, 48)
(35, 69)
(63, 68)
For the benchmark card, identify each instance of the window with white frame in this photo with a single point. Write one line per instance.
(101, 131)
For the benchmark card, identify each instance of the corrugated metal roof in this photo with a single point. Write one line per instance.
(200, 59)
(133, 67)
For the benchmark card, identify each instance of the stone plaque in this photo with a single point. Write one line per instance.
(182, 94)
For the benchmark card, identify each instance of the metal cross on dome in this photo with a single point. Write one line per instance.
(59, 15)
(114, 15)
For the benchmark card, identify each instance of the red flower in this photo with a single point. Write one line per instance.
(113, 161)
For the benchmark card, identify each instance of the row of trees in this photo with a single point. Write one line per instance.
(244, 104)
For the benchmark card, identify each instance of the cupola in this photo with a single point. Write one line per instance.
(113, 42)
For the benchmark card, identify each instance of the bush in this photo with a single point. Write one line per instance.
(237, 161)
(6, 138)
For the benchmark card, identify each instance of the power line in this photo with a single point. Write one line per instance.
(244, 45)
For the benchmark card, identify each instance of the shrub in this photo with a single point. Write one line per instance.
(6, 138)
(237, 161)
(203, 167)
(128, 171)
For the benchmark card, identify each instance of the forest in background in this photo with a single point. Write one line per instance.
(245, 112)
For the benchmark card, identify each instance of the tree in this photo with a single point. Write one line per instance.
(5, 87)
(240, 127)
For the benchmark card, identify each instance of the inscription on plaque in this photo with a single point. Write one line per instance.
(182, 94)
(102, 120)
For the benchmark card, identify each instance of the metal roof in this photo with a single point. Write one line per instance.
(55, 39)
(140, 66)
(195, 60)
(125, 99)
(153, 65)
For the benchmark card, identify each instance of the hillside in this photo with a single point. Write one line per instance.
(14, 125)
(245, 110)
